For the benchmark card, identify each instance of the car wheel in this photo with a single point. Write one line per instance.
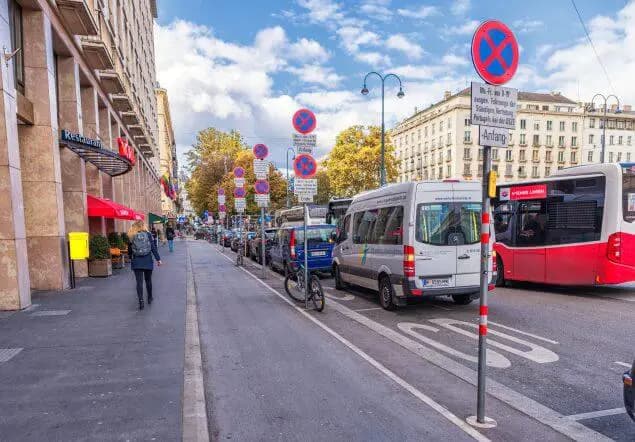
(462, 299)
(386, 293)
(500, 273)
(339, 284)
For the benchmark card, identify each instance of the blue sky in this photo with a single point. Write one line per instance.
(248, 65)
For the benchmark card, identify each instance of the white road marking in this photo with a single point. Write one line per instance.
(368, 309)
(493, 359)
(536, 353)
(516, 400)
(388, 373)
(623, 364)
(523, 332)
(594, 414)
(338, 295)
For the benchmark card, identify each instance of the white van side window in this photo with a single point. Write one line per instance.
(379, 226)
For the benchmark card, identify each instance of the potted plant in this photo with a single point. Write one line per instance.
(99, 262)
(116, 244)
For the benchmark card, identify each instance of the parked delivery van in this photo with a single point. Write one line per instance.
(412, 240)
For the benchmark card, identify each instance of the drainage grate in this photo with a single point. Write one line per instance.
(51, 313)
(7, 353)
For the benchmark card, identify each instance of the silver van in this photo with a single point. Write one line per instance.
(412, 240)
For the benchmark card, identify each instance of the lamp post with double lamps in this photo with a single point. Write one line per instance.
(617, 111)
(292, 150)
(400, 94)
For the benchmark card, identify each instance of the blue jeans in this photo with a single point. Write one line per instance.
(171, 245)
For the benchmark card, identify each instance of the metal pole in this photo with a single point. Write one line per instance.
(287, 178)
(382, 172)
(306, 261)
(263, 241)
(604, 134)
(485, 258)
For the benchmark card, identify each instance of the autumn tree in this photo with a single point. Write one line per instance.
(324, 187)
(353, 164)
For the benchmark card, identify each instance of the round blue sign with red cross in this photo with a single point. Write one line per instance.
(221, 208)
(239, 192)
(239, 172)
(261, 151)
(261, 187)
(221, 191)
(304, 166)
(304, 121)
(494, 52)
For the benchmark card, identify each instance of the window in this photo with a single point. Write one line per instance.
(448, 223)
(536, 125)
(441, 141)
(620, 124)
(467, 136)
(467, 121)
(425, 131)
(448, 155)
(521, 155)
(449, 138)
(574, 157)
(562, 124)
(535, 155)
(591, 139)
(343, 233)
(17, 41)
(440, 126)
(494, 154)
(590, 156)
(441, 172)
(495, 167)
(628, 194)
(561, 156)
(574, 126)
(628, 157)
(467, 169)
(534, 171)
(523, 141)
(610, 157)
(467, 153)
(379, 226)
(480, 154)
(508, 170)
(561, 141)
(523, 124)
(574, 141)
(611, 140)
(545, 108)
(449, 124)
(591, 123)
(480, 170)
(536, 140)
(628, 140)
(363, 226)
(619, 157)
(433, 125)
(449, 171)
(419, 134)
(548, 156)
(547, 171)
(549, 141)
(549, 125)
(508, 155)
(620, 139)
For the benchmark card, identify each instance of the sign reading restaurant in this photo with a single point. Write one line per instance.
(77, 138)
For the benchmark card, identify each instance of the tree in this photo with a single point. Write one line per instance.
(324, 187)
(353, 164)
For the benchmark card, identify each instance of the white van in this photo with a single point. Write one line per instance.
(415, 239)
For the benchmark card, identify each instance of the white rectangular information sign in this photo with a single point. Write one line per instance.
(262, 200)
(240, 204)
(305, 198)
(239, 182)
(221, 215)
(221, 199)
(493, 136)
(305, 186)
(494, 106)
(261, 169)
(304, 143)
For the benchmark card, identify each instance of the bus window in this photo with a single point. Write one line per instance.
(628, 194)
(531, 224)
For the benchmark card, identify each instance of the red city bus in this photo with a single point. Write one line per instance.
(576, 227)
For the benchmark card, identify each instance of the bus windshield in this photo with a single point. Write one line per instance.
(448, 223)
(628, 193)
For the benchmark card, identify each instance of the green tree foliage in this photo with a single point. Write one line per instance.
(353, 164)
(324, 187)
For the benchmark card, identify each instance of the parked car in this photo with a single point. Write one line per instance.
(629, 391)
(287, 248)
(255, 245)
(235, 240)
(227, 238)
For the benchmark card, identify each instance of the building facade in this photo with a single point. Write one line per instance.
(168, 162)
(78, 85)
(551, 132)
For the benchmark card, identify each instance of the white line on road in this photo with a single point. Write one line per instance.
(368, 309)
(418, 394)
(594, 414)
(523, 332)
(623, 364)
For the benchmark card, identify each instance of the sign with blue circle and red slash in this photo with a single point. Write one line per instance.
(239, 192)
(304, 166)
(239, 172)
(261, 151)
(221, 191)
(494, 52)
(304, 121)
(261, 187)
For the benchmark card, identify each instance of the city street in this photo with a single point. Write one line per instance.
(555, 360)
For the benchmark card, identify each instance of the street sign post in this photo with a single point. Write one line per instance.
(495, 58)
(304, 143)
(260, 151)
(261, 169)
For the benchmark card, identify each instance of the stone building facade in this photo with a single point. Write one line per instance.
(85, 67)
(168, 162)
(551, 132)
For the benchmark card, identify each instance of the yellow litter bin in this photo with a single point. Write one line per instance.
(78, 244)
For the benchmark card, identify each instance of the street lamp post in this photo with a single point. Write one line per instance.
(292, 150)
(400, 94)
(606, 99)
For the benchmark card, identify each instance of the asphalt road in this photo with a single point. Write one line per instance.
(274, 371)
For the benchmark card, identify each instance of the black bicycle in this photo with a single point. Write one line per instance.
(295, 288)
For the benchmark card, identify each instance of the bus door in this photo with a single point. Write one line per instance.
(529, 252)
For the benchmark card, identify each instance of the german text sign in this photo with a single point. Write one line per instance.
(221, 199)
(305, 186)
(261, 169)
(304, 143)
(517, 193)
(494, 106)
(493, 136)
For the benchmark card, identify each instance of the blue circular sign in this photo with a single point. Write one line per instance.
(304, 166)
(304, 121)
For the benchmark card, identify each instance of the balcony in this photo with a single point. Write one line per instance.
(121, 102)
(535, 160)
(522, 174)
(140, 139)
(465, 141)
(96, 53)
(129, 118)
(111, 81)
(522, 144)
(77, 17)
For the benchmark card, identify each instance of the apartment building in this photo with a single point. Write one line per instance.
(620, 135)
(168, 162)
(78, 123)
(440, 142)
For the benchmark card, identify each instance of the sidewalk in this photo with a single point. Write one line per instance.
(94, 367)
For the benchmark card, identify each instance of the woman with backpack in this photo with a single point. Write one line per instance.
(141, 249)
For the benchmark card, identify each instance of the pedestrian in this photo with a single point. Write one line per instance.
(155, 236)
(169, 234)
(141, 249)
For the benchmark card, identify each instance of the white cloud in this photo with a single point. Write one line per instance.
(419, 13)
(316, 74)
(454, 60)
(466, 28)
(372, 58)
(377, 9)
(400, 42)
(310, 50)
(524, 26)
(321, 11)
(353, 37)
(460, 7)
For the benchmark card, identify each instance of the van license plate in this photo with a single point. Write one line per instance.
(318, 253)
(436, 282)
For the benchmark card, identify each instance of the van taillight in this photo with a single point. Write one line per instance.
(494, 264)
(292, 244)
(614, 249)
(408, 261)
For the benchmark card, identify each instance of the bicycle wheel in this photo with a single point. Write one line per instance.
(294, 286)
(317, 295)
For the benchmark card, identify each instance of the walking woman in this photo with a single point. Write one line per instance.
(141, 249)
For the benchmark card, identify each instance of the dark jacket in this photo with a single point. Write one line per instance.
(144, 262)
(169, 233)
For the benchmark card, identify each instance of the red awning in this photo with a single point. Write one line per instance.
(108, 209)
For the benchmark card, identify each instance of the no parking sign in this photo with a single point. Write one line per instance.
(494, 52)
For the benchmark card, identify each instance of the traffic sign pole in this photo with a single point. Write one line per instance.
(263, 243)
(306, 259)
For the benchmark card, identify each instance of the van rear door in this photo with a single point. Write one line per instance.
(435, 257)
(468, 229)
